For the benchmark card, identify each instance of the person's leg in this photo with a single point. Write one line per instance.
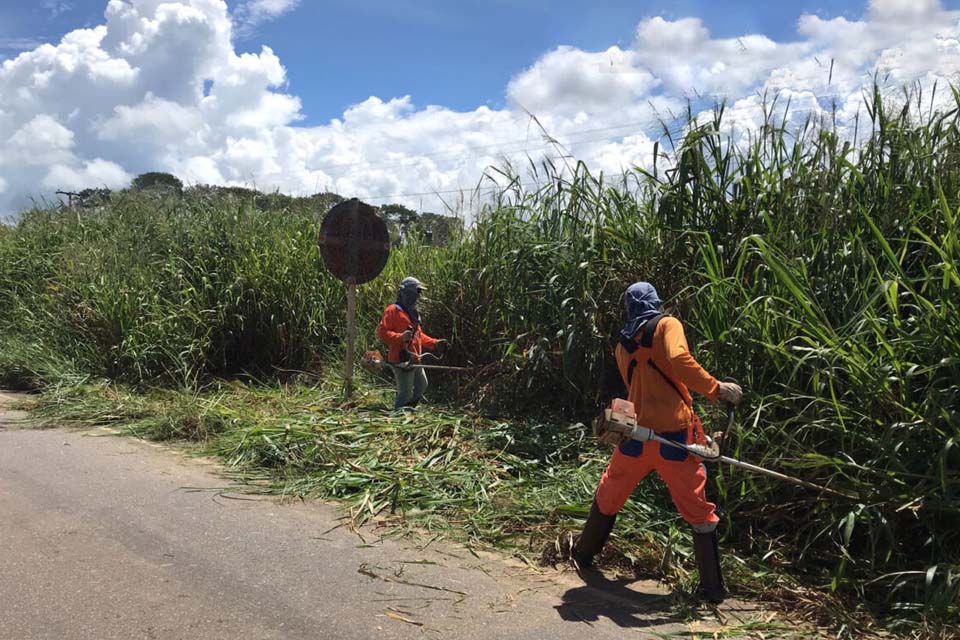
(420, 384)
(687, 482)
(623, 473)
(405, 383)
(707, 552)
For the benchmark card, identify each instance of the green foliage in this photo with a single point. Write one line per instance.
(30, 366)
(439, 230)
(405, 224)
(156, 180)
(821, 275)
(398, 214)
(171, 291)
(89, 198)
(316, 205)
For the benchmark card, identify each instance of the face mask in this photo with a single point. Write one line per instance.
(409, 298)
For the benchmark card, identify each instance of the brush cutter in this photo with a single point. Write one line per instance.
(372, 361)
(620, 421)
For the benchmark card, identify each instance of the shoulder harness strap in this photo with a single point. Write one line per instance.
(649, 327)
(647, 341)
(647, 330)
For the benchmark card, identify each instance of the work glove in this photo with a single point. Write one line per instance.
(407, 335)
(441, 348)
(730, 392)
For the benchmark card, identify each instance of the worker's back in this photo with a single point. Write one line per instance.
(657, 377)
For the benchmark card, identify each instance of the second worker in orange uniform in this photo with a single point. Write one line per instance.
(403, 332)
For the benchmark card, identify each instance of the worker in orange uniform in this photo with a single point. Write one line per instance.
(401, 329)
(659, 373)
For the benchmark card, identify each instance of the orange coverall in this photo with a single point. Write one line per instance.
(660, 407)
(394, 322)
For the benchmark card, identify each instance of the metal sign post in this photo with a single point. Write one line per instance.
(351, 337)
(355, 246)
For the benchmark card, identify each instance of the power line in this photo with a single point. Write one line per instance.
(669, 132)
(470, 151)
(477, 189)
(556, 141)
(461, 190)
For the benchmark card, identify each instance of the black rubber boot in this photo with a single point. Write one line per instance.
(708, 561)
(595, 533)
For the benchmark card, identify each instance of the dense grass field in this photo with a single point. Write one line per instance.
(819, 272)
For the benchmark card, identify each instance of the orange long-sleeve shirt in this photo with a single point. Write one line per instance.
(394, 322)
(657, 403)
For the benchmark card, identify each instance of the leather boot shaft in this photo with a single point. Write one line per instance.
(708, 562)
(595, 533)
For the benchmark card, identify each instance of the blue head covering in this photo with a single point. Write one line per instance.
(642, 303)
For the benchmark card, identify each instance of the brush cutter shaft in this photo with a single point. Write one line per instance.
(620, 421)
(431, 366)
(624, 422)
(784, 477)
(373, 361)
(710, 454)
(752, 467)
(640, 433)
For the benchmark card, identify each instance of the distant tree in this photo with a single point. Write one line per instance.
(325, 201)
(400, 220)
(157, 181)
(90, 198)
(439, 230)
(86, 199)
(237, 192)
(399, 214)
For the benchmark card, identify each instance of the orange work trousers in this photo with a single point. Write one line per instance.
(685, 475)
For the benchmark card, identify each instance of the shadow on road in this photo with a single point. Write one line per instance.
(601, 597)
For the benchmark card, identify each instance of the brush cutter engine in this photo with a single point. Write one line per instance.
(619, 423)
(373, 362)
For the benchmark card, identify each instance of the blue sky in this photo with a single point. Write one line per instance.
(460, 54)
(382, 99)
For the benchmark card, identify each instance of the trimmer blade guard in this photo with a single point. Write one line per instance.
(707, 452)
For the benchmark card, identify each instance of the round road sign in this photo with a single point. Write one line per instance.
(354, 242)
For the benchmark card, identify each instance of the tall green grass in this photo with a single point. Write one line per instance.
(820, 274)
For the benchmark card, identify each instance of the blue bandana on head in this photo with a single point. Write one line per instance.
(642, 303)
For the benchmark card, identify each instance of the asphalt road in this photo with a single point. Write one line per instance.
(112, 538)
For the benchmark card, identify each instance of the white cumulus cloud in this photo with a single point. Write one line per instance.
(252, 13)
(160, 86)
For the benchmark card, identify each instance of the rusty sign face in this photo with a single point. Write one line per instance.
(354, 242)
